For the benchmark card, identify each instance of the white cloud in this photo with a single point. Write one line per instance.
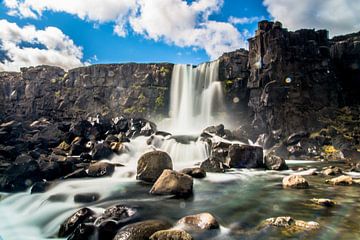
(338, 16)
(173, 21)
(244, 20)
(28, 46)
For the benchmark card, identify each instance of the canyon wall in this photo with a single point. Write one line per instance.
(285, 83)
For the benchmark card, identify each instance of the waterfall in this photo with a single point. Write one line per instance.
(196, 97)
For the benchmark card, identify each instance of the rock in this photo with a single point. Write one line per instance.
(100, 169)
(331, 171)
(101, 151)
(171, 235)
(121, 125)
(86, 197)
(295, 181)
(341, 180)
(245, 156)
(173, 183)
(194, 172)
(111, 138)
(51, 170)
(289, 222)
(141, 230)
(118, 147)
(201, 221)
(113, 219)
(79, 173)
(18, 177)
(296, 137)
(40, 187)
(213, 164)
(81, 129)
(274, 162)
(324, 202)
(23, 158)
(83, 231)
(151, 165)
(218, 130)
(64, 146)
(83, 215)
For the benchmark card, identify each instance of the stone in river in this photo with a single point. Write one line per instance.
(245, 156)
(173, 183)
(100, 169)
(141, 230)
(151, 165)
(172, 234)
(201, 221)
(295, 181)
(69, 225)
(213, 164)
(194, 172)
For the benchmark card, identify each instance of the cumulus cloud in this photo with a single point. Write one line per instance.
(244, 20)
(173, 21)
(338, 16)
(28, 46)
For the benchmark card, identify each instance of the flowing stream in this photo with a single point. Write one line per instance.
(239, 199)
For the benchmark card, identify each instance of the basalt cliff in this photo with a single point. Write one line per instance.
(289, 86)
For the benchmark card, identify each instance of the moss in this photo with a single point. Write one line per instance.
(57, 94)
(159, 101)
(134, 110)
(164, 70)
(329, 149)
(141, 96)
(53, 80)
(136, 86)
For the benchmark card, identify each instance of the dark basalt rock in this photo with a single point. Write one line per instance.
(18, 177)
(141, 230)
(101, 151)
(83, 215)
(213, 164)
(113, 219)
(194, 172)
(83, 231)
(86, 197)
(40, 187)
(274, 162)
(245, 156)
(100, 169)
(152, 164)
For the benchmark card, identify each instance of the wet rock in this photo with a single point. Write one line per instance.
(213, 164)
(289, 222)
(79, 173)
(323, 202)
(83, 215)
(64, 146)
(23, 158)
(111, 138)
(151, 165)
(201, 221)
(40, 187)
(121, 125)
(86, 197)
(274, 162)
(173, 183)
(18, 177)
(113, 219)
(245, 156)
(341, 180)
(296, 137)
(81, 129)
(217, 130)
(295, 181)
(51, 170)
(118, 147)
(83, 231)
(100, 169)
(171, 235)
(141, 230)
(332, 171)
(101, 151)
(194, 172)
(77, 148)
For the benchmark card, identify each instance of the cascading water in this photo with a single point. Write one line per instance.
(196, 98)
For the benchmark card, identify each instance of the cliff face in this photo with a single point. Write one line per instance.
(131, 89)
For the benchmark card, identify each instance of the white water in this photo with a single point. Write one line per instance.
(196, 98)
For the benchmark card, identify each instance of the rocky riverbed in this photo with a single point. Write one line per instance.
(118, 179)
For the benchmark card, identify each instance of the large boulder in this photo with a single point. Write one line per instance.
(101, 151)
(151, 165)
(295, 181)
(173, 183)
(213, 164)
(81, 216)
(201, 221)
(274, 162)
(245, 156)
(141, 230)
(113, 219)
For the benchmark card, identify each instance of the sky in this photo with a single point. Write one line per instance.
(73, 33)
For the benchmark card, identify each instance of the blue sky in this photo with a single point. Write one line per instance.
(175, 31)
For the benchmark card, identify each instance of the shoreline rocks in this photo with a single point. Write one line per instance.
(295, 181)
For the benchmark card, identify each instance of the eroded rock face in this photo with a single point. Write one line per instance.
(132, 89)
(152, 164)
(173, 183)
(295, 181)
